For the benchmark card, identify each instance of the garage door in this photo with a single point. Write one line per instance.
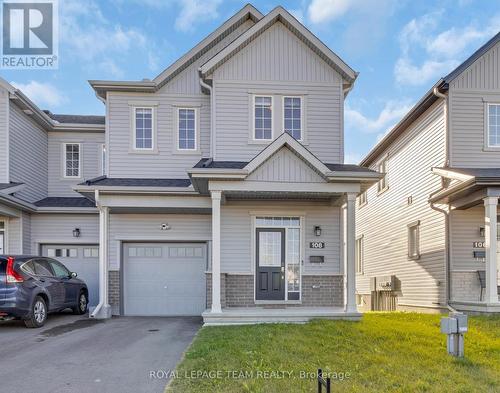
(81, 259)
(164, 278)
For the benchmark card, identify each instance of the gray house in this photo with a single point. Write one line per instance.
(216, 189)
(427, 232)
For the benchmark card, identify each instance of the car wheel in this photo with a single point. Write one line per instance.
(83, 303)
(38, 314)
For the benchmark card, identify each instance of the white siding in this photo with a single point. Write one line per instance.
(147, 227)
(58, 229)
(27, 155)
(4, 135)
(26, 232)
(90, 153)
(383, 221)
(14, 236)
(286, 166)
(237, 237)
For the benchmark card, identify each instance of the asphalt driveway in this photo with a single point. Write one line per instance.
(76, 354)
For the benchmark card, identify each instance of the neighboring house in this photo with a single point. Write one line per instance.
(427, 232)
(224, 191)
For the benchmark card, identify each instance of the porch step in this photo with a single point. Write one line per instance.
(256, 315)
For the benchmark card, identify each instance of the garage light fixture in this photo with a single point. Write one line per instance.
(76, 232)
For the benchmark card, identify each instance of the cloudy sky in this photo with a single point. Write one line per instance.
(399, 47)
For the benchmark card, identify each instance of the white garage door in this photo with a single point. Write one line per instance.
(81, 259)
(164, 278)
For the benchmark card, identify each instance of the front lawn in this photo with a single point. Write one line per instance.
(384, 352)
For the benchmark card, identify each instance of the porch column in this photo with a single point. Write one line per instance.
(350, 253)
(216, 198)
(103, 309)
(490, 245)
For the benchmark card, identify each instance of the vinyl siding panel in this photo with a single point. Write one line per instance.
(147, 227)
(4, 135)
(15, 236)
(58, 229)
(28, 152)
(383, 221)
(286, 166)
(237, 239)
(26, 232)
(90, 151)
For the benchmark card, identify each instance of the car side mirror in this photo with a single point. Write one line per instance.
(73, 275)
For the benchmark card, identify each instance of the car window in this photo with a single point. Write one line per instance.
(42, 268)
(59, 269)
(29, 267)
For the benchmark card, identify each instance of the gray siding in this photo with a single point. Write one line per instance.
(183, 90)
(27, 155)
(58, 229)
(383, 221)
(4, 135)
(26, 232)
(277, 63)
(90, 150)
(147, 227)
(237, 237)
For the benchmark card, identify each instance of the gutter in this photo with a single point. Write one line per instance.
(212, 114)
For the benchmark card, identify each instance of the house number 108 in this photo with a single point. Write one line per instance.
(317, 245)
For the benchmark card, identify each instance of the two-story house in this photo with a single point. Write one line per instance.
(219, 185)
(427, 232)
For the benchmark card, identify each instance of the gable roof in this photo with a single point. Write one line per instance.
(282, 15)
(146, 85)
(425, 102)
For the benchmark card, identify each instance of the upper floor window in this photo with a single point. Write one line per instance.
(382, 168)
(103, 159)
(143, 129)
(359, 254)
(494, 125)
(414, 240)
(363, 199)
(292, 116)
(71, 159)
(186, 129)
(263, 118)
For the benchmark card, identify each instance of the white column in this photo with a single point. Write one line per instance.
(351, 252)
(490, 244)
(216, 198)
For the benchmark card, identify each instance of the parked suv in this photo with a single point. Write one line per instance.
(31, 287)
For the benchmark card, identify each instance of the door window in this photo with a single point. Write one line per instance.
(60, 270)
(270, 249)
(29, 267)
(42, 268)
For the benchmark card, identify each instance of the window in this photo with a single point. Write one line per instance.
(71, 160)
(103, 159)
(359, 254)
(414, 240)
(278, 221)
(263, 118)
(382, 168)
(62, 252)
(186, 129)
(292, 116)
(493, 125)
(91, 252)
(363, 199)
(42, 268)
(143, 131)
(59, 270)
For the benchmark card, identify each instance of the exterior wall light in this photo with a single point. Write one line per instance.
(317, 230)
(481, 231)
(76, 232)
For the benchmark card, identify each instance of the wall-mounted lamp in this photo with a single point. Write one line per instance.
(76, 232)
(317, 230)
(481, 231)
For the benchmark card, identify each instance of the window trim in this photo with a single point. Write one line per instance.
(486, 145)
(412, 225)
(302, 131)
(104, 158)
(263, 140)
(383, 162)
(361, 271)
(4, 231)
(178, 150)
(80, 152)
(365, 202)
(143, 150)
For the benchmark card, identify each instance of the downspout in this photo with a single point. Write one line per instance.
(212, 116)
(446, 213)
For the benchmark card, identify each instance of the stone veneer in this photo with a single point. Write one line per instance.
(114, 291)
(317, 291)
(465, 286)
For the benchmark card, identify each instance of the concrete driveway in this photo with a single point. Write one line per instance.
(76, 354)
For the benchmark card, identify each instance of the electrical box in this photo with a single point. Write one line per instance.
(316, 259)
(449, 325)
(461, 321)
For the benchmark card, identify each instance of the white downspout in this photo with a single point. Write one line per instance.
(212, 116)
(103, 309)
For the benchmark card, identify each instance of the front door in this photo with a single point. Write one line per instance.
(270, 258)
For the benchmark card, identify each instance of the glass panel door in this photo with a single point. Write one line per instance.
(293, 263)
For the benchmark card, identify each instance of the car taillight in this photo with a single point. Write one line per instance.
(12, 275)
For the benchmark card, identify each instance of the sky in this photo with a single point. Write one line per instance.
(399, 47)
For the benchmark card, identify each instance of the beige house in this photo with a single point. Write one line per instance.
(427, 233)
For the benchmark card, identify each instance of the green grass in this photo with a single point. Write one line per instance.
(402, 352)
